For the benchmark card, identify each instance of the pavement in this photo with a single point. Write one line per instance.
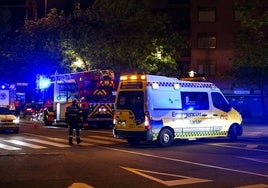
(257, 127)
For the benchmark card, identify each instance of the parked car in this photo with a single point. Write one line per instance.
(31, 109)
(8, 121)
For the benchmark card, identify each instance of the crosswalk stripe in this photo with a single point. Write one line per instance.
(7, 147)
(65, 140)
(57, 142)
(95, 141)
(48, 143)
(107, 138)
(20, 143)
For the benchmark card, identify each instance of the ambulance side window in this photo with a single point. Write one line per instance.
(220, 102)
(195, 100)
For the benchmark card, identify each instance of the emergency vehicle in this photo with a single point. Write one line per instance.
(97, 88)
(159, 108)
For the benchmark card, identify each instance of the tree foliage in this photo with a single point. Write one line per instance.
(126, 36)
(251, 60)
(39, 43)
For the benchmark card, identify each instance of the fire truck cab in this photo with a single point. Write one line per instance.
(94, 89)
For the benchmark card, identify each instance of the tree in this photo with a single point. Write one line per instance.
(38, 45)
(251, 60)
(126, 36)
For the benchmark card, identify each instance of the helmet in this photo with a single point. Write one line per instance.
(75, 101)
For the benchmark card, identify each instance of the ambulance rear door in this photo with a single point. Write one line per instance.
(130, 111)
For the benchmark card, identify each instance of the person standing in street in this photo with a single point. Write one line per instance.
(74, 114)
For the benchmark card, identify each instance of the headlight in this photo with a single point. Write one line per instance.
(102, 109)
(16, 121)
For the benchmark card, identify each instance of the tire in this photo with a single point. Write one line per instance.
(232, 133)
(165, 138)
(133, 141)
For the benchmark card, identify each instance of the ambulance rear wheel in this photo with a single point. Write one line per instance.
(165, 138)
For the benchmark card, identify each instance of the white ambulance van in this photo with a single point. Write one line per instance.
(159, 108)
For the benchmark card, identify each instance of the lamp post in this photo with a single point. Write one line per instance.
(45, 8)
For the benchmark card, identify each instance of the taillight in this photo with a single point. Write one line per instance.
(114, 119)
(147, 120)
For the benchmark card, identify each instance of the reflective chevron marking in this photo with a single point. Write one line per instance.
(7, 147)
(20, 143)
(49, 143)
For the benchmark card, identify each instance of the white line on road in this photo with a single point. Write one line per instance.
(256, 160)
(7, 147)
(48, 143)
(248, 148)
(187, 162)
(20, 143)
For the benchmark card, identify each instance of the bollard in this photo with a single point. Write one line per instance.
(34, 125)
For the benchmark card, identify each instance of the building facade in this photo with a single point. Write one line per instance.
(213, 27)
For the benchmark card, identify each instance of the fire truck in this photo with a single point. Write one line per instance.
(97, 88)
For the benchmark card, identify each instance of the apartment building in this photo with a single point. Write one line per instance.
(213, 26)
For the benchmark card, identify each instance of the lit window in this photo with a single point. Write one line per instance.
(206, 40)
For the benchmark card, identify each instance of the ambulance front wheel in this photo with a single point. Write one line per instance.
(233, 133)
(165, 137)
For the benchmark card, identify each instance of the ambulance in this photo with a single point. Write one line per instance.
(162, 109)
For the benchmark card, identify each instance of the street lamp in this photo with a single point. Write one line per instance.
(45, 8)
(191, 73)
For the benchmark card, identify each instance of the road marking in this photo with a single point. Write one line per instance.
(182, 180)
(114, 140)
(188, 162)
(252, 146)
(7, 147)
(92, 140)
(48, 143)
(20, 143)
(236, 147)
(256, 160)
(254, 186)
(80, 185)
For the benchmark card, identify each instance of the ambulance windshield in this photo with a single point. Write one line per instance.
(220, 102)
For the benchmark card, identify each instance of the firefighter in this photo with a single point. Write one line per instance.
(85, 109)
(73, 115)
(49, 116)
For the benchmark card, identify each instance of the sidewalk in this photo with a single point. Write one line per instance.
(255, 127)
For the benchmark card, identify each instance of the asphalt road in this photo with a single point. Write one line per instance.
(41, 157)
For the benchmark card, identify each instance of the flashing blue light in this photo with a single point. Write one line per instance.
(190, 108)
(3, 87)
(44, 82)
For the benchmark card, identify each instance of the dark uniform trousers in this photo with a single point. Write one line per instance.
(74, 114)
